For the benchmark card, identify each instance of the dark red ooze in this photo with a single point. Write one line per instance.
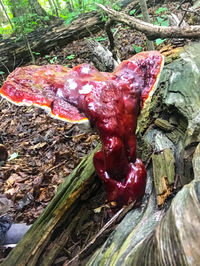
(111, 101)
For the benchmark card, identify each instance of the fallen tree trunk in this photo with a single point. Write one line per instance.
(15, 52)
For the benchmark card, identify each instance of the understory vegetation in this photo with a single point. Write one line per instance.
(23, 16)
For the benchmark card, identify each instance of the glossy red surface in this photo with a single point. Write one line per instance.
(111, 101)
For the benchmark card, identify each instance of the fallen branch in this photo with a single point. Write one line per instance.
(153, 31)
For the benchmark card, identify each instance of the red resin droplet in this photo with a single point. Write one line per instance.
(111, 102)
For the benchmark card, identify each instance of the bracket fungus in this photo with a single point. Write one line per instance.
(111, 102)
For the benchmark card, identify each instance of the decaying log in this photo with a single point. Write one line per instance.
(152, 31)
(37, 247)
(164, 173)
(146, 236)
(15, 52)
(175, 240)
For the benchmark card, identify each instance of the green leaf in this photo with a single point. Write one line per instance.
(156, 23)
(52, 61)
(47, 56)
(71, 56)
(46, 18)
(137, 48)
(165, 23)
(132, 12)
(113, 29)
(36, 53)
(139, 16)
(161, 9)
(116, 7)
(100, 39)
(13, 156)
(1, 72)
(159, 41)
(159, 19)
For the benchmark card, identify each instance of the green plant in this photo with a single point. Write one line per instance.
(161, 10)
(27, 23)
(116, 7)
(51, 59)
(35, 53)
(24, 19)
(161, 20)
(71, 56)
(159, 41)
(132, 12)
(100, 39)
(137, 48)
(6, 29)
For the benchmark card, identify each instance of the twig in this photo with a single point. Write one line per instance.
(108, 26)
(5, 67)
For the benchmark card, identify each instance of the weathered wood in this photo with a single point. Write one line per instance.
(164, 173)
(145, 236)
(15, 52)
(101, 57)
(153, 31)
(36, 247)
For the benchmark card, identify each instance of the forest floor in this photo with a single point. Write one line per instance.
(43, 151)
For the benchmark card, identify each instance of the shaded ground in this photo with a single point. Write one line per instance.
(43, 151)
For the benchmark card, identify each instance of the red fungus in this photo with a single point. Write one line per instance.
(111, 101)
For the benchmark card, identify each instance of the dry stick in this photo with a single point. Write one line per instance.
(111, 39)
(153, 31)
(145, 14)
(29, 48)
(108, 26)
(118, 216)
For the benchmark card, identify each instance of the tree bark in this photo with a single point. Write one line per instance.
(53, 7)
(170, 235)
(18, 8)
(21, 8)
(35, 7)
